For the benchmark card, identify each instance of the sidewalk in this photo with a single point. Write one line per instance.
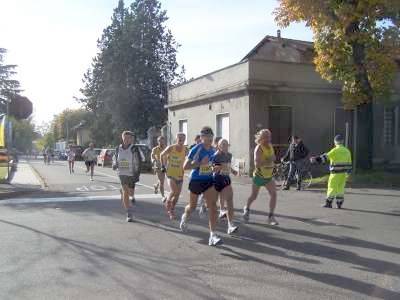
(23, 181)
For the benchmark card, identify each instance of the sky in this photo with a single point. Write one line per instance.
(54, 41)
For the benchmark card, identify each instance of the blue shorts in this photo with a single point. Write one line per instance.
(199, 187)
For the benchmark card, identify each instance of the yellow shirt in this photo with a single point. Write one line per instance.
(266, 156)
(156, 155)
(175, 163)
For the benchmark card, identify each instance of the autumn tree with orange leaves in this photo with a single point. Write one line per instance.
(358, 43)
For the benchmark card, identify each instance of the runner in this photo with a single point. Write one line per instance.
(197, 141)
(156, 161)
(90, 156)
(202, 182)
(71, 159)
(127, 161)
(222, 160)
(264, 158)
(172, 163)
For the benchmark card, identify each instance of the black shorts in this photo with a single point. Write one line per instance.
(127, 180)
(90, 163)
(221, 182)
(199, 187)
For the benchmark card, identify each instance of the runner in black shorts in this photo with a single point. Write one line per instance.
(222, 160)
(202, 182)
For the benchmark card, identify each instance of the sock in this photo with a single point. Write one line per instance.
(212, 233)
(230, 224)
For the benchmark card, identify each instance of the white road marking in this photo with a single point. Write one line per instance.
(75, 199)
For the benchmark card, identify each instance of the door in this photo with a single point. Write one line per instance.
(280, 124)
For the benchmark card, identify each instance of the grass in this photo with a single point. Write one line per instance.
(376, 178)
(3, 173)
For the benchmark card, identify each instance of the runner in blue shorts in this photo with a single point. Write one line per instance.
(202, 182)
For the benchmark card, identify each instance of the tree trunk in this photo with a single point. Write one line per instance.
(364, 136)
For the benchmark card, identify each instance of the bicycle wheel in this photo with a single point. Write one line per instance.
(278, 175)
(306, 180)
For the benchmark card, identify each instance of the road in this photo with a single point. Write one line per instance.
(71, 241)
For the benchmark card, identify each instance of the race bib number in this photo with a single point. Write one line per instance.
(205, 170)
(124, 164)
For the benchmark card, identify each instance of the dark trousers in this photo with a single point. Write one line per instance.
(295, 170)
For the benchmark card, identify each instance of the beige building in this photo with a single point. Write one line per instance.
(276, 86)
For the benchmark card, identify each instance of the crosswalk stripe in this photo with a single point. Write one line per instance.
(74, 199)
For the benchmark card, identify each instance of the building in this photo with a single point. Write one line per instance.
(276, 86)
(82, 134)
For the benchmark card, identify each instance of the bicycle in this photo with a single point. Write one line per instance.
(281, 171)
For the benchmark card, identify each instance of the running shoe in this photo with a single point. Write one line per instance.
(183, 225)
(214, 240)
(129, 217)
(232, 229)
(91, 179)
(272, 221)
(222, 214)
(339, 204)
(328, 204)
(246, 214)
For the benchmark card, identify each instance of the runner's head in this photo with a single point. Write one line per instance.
(216, 141)
(161, 141)
(263, 137)
(223, 145)
(206, 136)
(180, 138)
(128, 137)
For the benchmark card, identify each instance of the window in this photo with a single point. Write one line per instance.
(389, 125)
(223, 126)
(183, 127)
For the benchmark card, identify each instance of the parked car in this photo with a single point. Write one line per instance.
(105, 157)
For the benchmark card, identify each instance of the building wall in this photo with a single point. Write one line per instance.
(82, 137)
(205, 114)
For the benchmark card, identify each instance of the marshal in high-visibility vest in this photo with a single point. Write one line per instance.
(340, 166)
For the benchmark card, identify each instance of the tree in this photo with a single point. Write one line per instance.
(126, 86)
(9, 87)
(23, 134)
(356, 42)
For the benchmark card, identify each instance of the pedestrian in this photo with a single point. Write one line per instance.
(202, 182)
(197, 141)
(156, 161)
(264, 158)
(71, 159)
(127, 162)
(173, 158)
(90, 157)
(296, 157)
(222, 163)
(340, 167)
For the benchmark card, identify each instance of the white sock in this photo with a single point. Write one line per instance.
(212, 233)
(230, 224)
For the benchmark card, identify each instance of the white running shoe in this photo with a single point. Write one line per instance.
(214, 240)
(246, 214)
(91, 179)
(222, 214)
(272, 221)
(232, 229)
(183, 225)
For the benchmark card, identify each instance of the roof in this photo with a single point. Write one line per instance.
(300, 45)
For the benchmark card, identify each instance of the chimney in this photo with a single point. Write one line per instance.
(278, 33)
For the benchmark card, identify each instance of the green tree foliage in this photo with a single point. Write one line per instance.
(356, 42)
(23, 132)
(126, 86)
(8, 86)
(65, 122)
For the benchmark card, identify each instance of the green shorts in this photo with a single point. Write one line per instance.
(261, 181)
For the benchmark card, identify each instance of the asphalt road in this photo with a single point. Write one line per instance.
(71, 241)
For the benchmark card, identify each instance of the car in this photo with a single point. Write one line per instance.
(105, 157)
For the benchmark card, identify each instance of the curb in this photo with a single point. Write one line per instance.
(39, 177)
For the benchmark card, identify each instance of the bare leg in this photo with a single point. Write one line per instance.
(125, 197)
(271, 188)
(91, 170)
(254, 193)
(211, 196)
(226, 196)
(191, 205)
(161, 180)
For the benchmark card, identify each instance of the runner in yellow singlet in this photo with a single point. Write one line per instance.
(156, 160)
(172, 159)
(264, 158)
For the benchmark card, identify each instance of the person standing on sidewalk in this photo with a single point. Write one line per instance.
(202, 182)
(296, 156)
(340, 167)
(156, 161)
(127, 162)
(264, 159)
(90, 156)
(172, 159)
(71, 159)
(222, 161)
